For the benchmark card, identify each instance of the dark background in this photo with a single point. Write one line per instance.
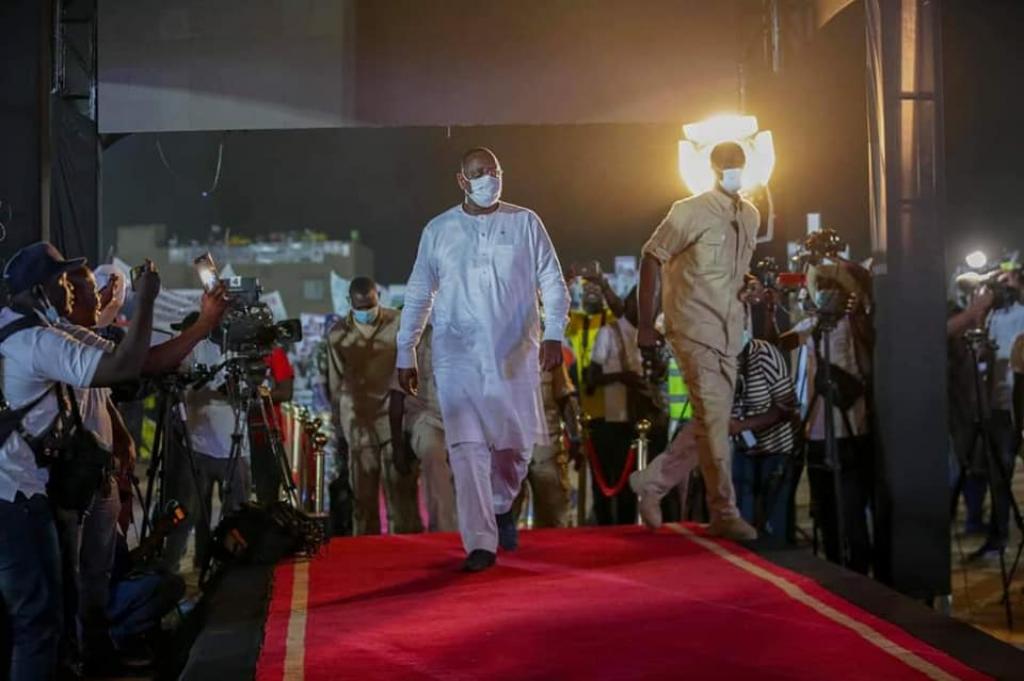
(600, 188)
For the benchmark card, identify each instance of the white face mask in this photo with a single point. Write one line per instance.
(50, 311)
(732, 179)
(484, 191)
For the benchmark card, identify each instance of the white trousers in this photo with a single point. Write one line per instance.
(486, 483)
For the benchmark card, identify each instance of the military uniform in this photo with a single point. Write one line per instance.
(361, 364)
(548, 475)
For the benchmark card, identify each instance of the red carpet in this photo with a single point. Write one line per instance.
(616, 603)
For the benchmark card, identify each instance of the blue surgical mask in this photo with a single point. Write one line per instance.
(484, 191)
(732, 179)
(368, 316)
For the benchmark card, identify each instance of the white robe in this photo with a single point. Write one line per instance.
(479, 276)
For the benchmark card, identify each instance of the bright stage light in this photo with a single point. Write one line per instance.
(695, 151)
(976, 260)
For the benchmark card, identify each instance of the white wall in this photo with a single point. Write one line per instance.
(224, 64)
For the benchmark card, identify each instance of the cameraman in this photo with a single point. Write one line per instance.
(88, 540)
(211, 422)
(267, 470)
(968, 463)
(1005, 323)
(37, 358)
(840, 290)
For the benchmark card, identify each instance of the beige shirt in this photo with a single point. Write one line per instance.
(360, 368)
(704, 245)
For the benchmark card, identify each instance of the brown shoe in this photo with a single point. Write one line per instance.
(735, 528)
(648, 504)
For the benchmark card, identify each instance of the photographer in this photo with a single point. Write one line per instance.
(87, 539)
(38, 357)
(266, 469)
(598, 308)
(762, 430)
(968, 462)
(211, 422)
(841, 306)
(1005, 323)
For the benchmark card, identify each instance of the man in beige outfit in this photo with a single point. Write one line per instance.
(361, 365)
(420, 416)
(704, 246)
(548, 476)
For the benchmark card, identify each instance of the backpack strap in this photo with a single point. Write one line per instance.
(28, 320)
(10, 419)
(25, 322)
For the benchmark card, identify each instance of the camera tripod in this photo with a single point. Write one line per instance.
(172, 436)
(832, 463)
(998, 477)
(248, 395)
(245, 392)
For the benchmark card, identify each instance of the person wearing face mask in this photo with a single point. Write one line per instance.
(698, 258)
(88, 539)
(762, 428)
(361, 366)
(478, 271)
(37, 358)
(599, 306)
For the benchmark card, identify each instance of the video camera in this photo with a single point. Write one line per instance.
(248, 326)
(992, 279)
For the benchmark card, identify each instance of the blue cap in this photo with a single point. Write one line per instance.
(36, 264)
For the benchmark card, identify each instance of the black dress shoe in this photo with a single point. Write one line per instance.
(508, 535)
(478, 561)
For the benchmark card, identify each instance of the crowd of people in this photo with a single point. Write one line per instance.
(484, 390)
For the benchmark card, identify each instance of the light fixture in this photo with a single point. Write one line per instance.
(976, 260)
(701, 138)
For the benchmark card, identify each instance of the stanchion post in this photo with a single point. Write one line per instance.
(581, 473)
(319, 443)
(643, 426)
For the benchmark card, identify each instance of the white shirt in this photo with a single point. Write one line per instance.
(1004, 325)
(479, 275)
(34, 360)
(613, 343)
(211, 418)
(93, 402)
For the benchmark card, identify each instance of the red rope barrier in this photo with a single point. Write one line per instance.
(595, 466)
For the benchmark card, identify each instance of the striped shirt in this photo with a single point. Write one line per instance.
(763, 380)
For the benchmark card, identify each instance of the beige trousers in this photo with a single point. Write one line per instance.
(711, 377)
(550, 486)
(371, 467)
(429, 447)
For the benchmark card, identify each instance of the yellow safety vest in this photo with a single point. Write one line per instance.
(679, 406)
(582, 344)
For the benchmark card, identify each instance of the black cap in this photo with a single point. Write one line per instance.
(36, 264)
